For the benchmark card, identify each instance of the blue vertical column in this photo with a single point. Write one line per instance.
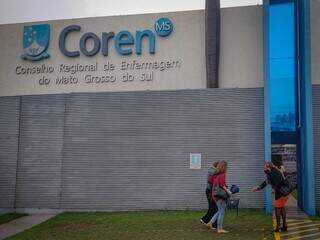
(267, 124)
(307, 172)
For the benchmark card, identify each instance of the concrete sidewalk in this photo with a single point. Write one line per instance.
(21, 224)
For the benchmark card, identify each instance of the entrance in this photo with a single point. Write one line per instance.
(286, 97)
(283, 87)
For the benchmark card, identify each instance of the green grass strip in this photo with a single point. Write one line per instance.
(160, 225)
(4, 218)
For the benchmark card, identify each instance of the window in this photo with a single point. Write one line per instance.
(282, 66)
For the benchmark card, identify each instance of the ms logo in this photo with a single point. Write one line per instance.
(36, 42)
(163, 27)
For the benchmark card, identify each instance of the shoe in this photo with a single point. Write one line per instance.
(202, 221)
(276, 230)
(209, 225)
(222, 231)
(284, 229)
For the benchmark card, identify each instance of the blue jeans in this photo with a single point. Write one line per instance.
(221, 204)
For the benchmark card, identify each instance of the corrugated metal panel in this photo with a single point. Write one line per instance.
(125, 151)
(9, 134)
(40, 151)
(316, 133)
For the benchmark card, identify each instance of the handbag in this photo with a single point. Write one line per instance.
(219, 192)
(286, 188)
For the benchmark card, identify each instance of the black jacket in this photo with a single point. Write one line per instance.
(276, 180)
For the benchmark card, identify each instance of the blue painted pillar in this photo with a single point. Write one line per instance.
(267, 119)
(307, 188)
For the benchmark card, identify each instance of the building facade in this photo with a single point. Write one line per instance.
(109, 113)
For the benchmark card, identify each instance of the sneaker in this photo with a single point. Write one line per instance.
(276, 230)
(222, 231)
(202, 221)
(284, 229)
(209, 225)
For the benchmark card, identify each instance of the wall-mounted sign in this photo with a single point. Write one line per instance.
(36, 40)
(195, 160)
(123, 53)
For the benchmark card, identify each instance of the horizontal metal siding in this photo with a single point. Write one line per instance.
(40, 151)
(316, 133)
(129, 151)
(9, 135)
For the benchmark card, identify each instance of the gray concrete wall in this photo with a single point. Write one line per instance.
(316, 134)
(130, 151)
(185, 45)
(241, 59)
(40, 152)
(9, 136)
(124, 151)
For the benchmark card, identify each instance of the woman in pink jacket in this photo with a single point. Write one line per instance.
(219, 180)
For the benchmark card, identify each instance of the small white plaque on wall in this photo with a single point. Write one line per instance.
(195, 160)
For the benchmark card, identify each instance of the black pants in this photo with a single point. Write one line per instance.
(211, 210)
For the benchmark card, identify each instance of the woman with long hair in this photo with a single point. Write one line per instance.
(276, 179)
(219, 181)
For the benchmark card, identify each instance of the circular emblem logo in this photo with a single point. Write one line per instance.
(163, 27)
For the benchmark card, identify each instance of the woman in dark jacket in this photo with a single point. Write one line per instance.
(276, 180)
(212, 205)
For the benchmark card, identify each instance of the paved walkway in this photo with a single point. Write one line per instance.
(300, 227)
(21, 224)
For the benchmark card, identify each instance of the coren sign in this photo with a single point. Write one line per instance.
(160, 51)
(123, 40)
(123, 43)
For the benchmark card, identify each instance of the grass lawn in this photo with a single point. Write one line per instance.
(4, 218)
(156, 225)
